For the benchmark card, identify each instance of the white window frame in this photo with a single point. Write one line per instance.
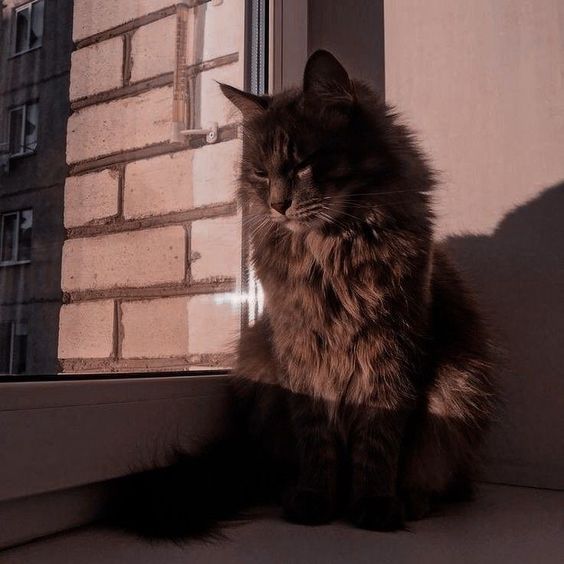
(26, 7)
(24, 149)
(14, 261)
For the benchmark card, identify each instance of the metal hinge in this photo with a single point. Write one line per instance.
(211, 132)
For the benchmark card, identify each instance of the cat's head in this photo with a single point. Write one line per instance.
(325, 156)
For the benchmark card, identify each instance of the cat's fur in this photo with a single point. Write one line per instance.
(364, 387)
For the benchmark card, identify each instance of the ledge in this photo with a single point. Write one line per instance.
(505, 524)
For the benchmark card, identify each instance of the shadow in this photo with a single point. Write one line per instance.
(519, 274)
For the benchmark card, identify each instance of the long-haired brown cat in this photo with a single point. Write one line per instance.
(364, 390)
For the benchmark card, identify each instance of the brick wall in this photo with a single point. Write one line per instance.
(152, 258)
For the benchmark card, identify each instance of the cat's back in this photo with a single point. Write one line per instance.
(456, 318)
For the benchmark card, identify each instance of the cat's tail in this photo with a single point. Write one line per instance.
(191, 497)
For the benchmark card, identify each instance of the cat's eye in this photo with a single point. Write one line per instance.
(301, 168)
(260, 173)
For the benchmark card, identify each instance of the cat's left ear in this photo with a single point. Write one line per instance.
(327, 81)
(248, 104)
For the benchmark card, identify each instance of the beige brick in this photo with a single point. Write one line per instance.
(159, 185)
(86, 330)
(153, 49)
(131, 259)
(215, 172)
(213, 323)
(92, 17)
(123, 124)
(216, 248)
(180, 181)
(155, 328)
(213, 105)
(91, 197)
(224, 28)
(97, 68)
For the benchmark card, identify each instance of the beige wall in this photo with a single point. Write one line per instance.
(482, 82)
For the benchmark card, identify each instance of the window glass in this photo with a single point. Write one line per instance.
(5, 347)
(16, 130)
(36, 32)
(22, 30)
(24, 238)
(23, 129)
(13, 347)
(9, 231)
(131, 173)
(19, 349)
(31, 121)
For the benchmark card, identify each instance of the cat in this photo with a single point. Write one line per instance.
(365, 387)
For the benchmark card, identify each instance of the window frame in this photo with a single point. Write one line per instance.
(16, 250)
(28, 6)
(25, 110)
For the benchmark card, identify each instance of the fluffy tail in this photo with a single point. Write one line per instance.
(191, 497)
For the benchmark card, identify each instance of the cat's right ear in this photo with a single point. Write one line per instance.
(326, 82)
(248, 104)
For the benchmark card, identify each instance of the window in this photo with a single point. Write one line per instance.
(15, 237)
(23, 129)
(28, 27)
(13, 347)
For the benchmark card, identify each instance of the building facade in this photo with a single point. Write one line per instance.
(35, 54)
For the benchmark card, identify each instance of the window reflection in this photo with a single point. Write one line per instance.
(119, 232)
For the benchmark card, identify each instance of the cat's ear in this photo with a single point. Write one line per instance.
(326, 81)
(248, 104)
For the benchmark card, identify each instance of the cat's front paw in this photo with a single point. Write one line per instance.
(377, 513)
(308, 507)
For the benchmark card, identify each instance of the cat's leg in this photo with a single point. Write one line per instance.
(312, 500)
(375, 445)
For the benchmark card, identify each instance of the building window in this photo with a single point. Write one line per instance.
(13, 347)
(28, 27)
(23, 129)
(15, 237)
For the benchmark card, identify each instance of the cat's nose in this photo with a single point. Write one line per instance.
(282, 206)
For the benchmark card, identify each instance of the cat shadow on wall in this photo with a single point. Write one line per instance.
(518, 273)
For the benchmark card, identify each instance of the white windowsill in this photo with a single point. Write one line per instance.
(60, 435)
(24, 52)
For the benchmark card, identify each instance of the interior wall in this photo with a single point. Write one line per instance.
(482, 83)
(350, 29)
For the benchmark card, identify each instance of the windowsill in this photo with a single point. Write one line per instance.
(63, 434)
(504, 524)
(14, 263)
(18, 156)
(16, 55)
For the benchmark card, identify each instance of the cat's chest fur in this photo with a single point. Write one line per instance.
(326, 301)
